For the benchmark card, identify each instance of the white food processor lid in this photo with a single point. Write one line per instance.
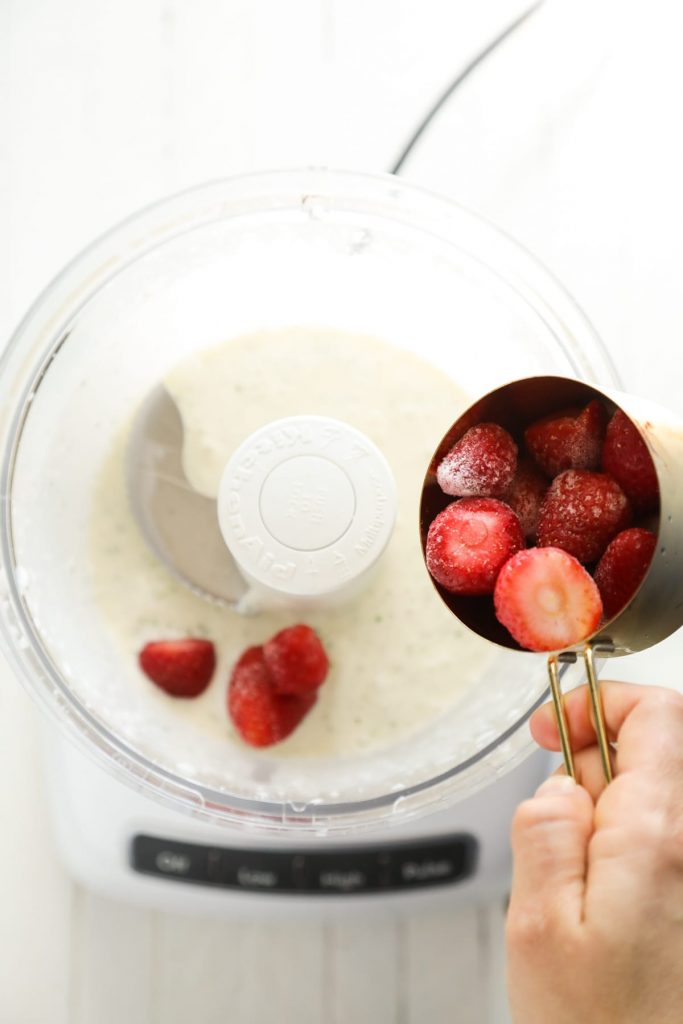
(355, 253)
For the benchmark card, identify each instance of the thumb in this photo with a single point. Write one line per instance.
(550, 836)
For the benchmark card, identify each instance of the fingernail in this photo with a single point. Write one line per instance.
(556, 784)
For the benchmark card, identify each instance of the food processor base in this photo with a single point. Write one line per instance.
(124, 846)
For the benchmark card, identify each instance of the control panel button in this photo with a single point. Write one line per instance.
(431, 864)
(167, 858)
(341, 872)
(258, 871)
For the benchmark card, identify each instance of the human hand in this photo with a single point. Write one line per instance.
(595, 924)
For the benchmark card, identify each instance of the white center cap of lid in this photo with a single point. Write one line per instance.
(306, 506)
(307, 502)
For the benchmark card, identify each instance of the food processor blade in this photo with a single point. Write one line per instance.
(179, 523)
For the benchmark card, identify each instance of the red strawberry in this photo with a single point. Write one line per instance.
(481, 463)
(626, 457)
(182, 668)
(546, 600)
(296, 660)
(469, 541)
(260, 715)
(525, 494)
(569, 440)
(621, 569)
(581, 513)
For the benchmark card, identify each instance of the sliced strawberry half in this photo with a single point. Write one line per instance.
(569, 440)
(581, 513)
(525, 496)
(182, 668)
(261, 716)
(469, 541)
(622, 568)
(481, 464)
(296, 660)
(546, 600)
(625, 456)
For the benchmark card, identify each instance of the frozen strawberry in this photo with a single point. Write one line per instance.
(625, 457)
(481, 464)
(621, 569)
(182, 668)
(469, 541)
(546, 600)
(296, 660)
(525, 494)
(260, 715)
(569, 440)
(581, 513)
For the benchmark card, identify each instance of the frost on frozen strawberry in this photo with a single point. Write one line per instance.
(481, 464)
(296, 660)
(569, 440)
(525, 495)
(622, 568)
(581, 513)
(625, 456)
(261, 716)
(182, 668)
(547, 600)
(469, 541)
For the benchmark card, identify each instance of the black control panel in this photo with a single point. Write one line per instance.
(338, 871)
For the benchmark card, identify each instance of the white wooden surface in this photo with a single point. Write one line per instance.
(570, 138)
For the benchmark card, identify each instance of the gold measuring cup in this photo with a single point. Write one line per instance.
(656, 609)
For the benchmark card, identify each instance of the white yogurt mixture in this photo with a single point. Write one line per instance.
(399, 658)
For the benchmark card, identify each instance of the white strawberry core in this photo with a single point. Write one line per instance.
(550, 599)
(474, 533)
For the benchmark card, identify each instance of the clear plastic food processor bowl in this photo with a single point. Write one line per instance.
(365, 254)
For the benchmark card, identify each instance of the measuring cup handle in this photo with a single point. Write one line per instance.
(598, 712)
(560, 716)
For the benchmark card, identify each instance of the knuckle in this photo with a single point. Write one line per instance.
(536, 930)
(629, 791)
(660, 712)
(526, 816)
(650, 838)
(669, 847)
(535, 820)
(648, 831)
(669, 698)
(530, 827)
(527, 929)
(654, 835)
(662, 702)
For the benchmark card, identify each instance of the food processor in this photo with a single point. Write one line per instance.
(149, 811)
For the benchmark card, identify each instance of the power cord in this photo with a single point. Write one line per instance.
(457, 82)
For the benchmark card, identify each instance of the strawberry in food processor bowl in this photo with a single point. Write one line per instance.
(216, 423)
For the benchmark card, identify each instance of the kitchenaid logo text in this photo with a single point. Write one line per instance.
(262, 557)
(376, 527)
(309, 436)
(281, 439)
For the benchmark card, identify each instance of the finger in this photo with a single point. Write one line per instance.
(550, 836)
(634, 862)
(618, 700)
